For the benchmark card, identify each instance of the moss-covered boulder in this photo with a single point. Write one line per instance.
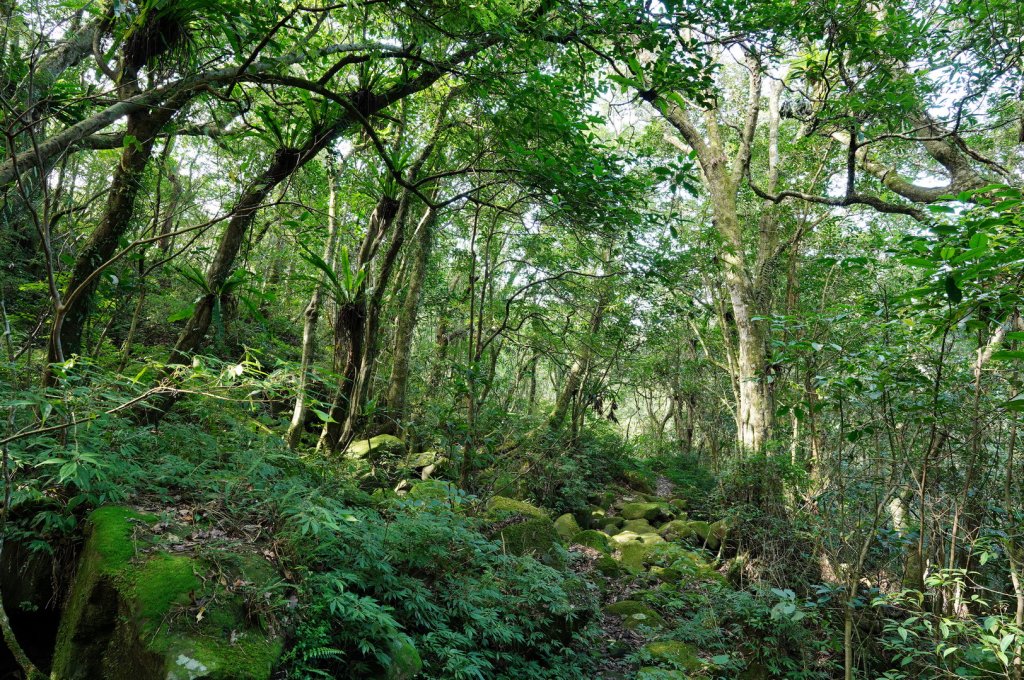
(608, 566)
(679, 655)
(433, 490)
(405, 660)
(634, 557)
(635, 614)
(591, 538)
(374, 447)
(676, 530)
(120, 622)
(602, 499)
(525, 529)
(426, 464)
(647, 511)
(667, 574)
(678, 505)
(637, 481)
(638, 526)
(710, 534)
(655, 673)
(567, 527)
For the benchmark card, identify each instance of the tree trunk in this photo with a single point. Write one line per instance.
(397, 394)
(311, 314)
(70, 318)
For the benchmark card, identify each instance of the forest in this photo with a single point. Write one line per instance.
(526, 339)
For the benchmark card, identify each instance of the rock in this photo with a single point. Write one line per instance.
(626, 537)
(711, 535)
(614, 520)
(405, 660)
(374, 447)
(433, 490)
(647, 511)
(608, 566)
(499, 505)
(635, 614)
(633, 556)
(667, 574)
(116, 622)
(676, 530)
(679, 655)
(567, 527)
(593, 539)
(679, 505)
(637, 481)
(638, 526)
(524, 529)
(602, 499)
(611, 528)
(655, 673)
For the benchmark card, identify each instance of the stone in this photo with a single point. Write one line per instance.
(405, 660)
(374, 447)
(678, 505)
(676, 530)
(633, 556)
(593, 539)
(608, 566)
(679, 655)
(433, 490)
(602, 499)
(655, 673)
(525, 529)
(638, 526)
(116, 623)
(667, 574)
(637, 481)
(647, 511)
(567, 527)
(635, 614)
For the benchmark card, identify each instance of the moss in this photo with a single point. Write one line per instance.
(431, 490)
(678, 654)
(567, 527)
(602, 499)
(676, 530)
(116, 624)
(593, 539)
(634, 556)
(500, 506)
(405, 660)
(635, 614)
(535, 536)
(638, 526)
(111, 536)
(379, 445)
(655, 673)
(647, 511)
(637, 481)
(607, 566)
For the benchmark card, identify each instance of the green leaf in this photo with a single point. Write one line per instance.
(953, 291)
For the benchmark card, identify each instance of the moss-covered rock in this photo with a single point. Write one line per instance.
(375, 447)
(638, 526)
(655, 673)
(433, 490)
(592, 517)
(118, 622)
(500, 506)
(679, 655)
(667, 574)
(635, 614)
(608, 566)
(678, 505)
(648, 511)
(593, 539)
(405, 660)
(710, 535)
(567, 527)
(676, 530)
(602, 499)
(634, 556)
(524, 529)
(637, 481)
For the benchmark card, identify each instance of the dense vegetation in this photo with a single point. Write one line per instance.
(511, 339)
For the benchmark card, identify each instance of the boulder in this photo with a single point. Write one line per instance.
(634, 557)
(635, 614)
(433, 490)
(567, 527)
(655, 673)
(711, 535)
(679, 655)
(405, 660)
(593, 539)
(638, 526)
(676, 530)
(116, 623)
(647, 511)
(602, 499)
(608, 566)
(637, 481)
(524, 529)
(374, 447)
